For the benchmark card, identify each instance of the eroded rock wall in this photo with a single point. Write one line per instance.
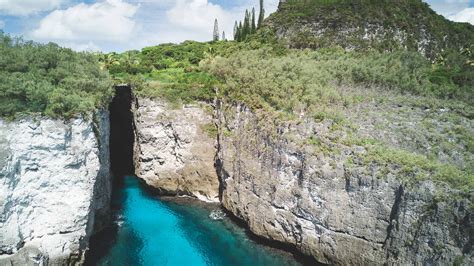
(336, 210)
(175, 148)
(55, 188)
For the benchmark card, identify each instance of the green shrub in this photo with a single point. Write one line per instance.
(312, 78)
(49, 80)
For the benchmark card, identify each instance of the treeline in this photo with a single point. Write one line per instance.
(250, 25)
(186, 55)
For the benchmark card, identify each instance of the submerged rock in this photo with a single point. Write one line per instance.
(217, 215)
(54, 188)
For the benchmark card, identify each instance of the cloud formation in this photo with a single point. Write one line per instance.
(466, 15)
(189, 14)
(109, 20)
(448, 7)
(27, 7)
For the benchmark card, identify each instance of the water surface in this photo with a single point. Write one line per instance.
(150, 231)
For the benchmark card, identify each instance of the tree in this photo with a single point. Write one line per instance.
(108, 60)
(215, 36)
(246, 29)
(261, 16)
(253, 29)
(236, 28)
(240, 32)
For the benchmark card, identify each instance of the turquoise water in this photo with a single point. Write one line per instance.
(150, 231)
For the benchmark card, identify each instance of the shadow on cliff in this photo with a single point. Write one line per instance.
(121, 132)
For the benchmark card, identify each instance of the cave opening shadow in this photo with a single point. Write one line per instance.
(121, 132)
(121, 164)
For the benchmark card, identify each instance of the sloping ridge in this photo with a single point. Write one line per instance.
(363, 24)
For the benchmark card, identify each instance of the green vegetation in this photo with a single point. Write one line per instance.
(173, 71)
(311, 80)
(210, 129)
(168, 70)
(265, 74)
(49, 80)
(414, 167)
(344, 23)
(243, 31)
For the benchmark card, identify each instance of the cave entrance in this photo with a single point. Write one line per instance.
(121, 132)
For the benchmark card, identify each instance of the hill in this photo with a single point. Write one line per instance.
(362, 24)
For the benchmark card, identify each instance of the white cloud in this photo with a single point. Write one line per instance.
(27, 7)
(196, 17)
(448, 7)
(84, 25)
(2, 24)
(466, 15)
(190, 14)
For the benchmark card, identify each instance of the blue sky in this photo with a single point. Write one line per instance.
(118, 25)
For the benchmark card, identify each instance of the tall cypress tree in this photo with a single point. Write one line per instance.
(253, 29)
(240, 32)
(246, 29)
(236, 27)
(261, 16)
(215, 35)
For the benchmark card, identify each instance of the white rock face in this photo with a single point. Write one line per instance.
(54, 188)
(172, 150)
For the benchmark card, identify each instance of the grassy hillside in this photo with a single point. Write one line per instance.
(49, 80)
(362, 24)
(414, 126)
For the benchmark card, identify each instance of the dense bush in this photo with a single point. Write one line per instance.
(179, 85)
(172, 70)
(309, 79)
(48, 79)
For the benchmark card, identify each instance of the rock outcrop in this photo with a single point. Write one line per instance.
(55, 188)
(175, 148)
(335, 209)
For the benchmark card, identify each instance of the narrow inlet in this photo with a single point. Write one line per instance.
(121, 132)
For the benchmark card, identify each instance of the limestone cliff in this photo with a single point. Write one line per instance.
(174, 148)
(293, 182)
(55, 188)
(313, 184)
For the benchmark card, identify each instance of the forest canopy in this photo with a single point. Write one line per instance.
(49, 80)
